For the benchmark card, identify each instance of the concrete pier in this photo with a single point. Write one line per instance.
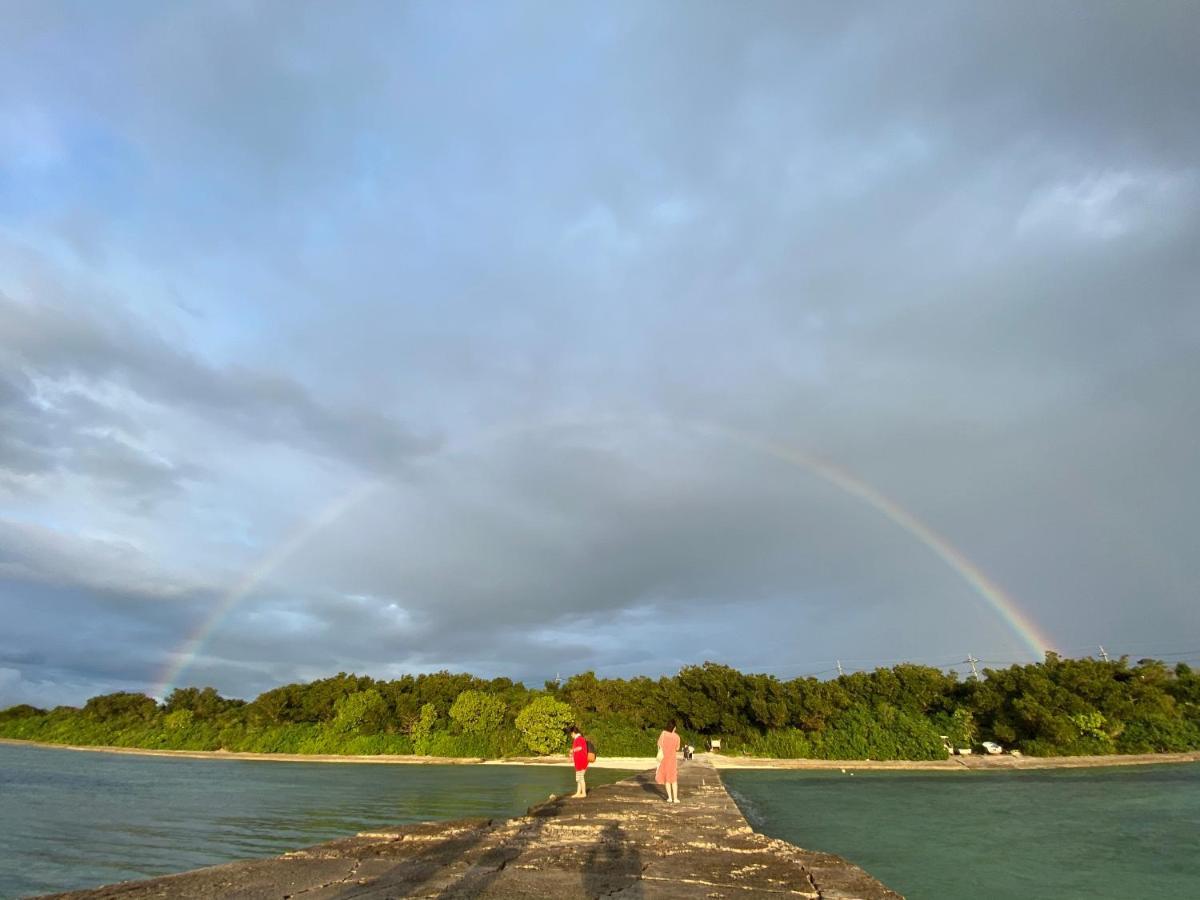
(623, 841)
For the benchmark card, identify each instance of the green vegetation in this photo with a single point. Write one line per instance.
(1057, 707)
(544, 723)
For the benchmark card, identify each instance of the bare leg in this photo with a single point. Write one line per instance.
(580, 785)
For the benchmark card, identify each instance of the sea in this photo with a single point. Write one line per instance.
(1058, 834)
(72, 819)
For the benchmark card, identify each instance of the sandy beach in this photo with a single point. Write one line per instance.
(959, 763)
(639, 763)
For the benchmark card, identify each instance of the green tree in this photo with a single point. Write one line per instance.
(963, 729)
(205, 703)
(363, 712)
(442, 688)
(22, 711)
(423, 729)
(477, 713)
(543, 724)
(812, 703)
(1059, 706)
(767, 701)
(711, 699)
(121, 705)
(179, 720)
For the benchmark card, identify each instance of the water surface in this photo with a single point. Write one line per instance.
(71, 819)
(1132, 831)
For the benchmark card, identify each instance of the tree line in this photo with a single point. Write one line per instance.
(1056, 707)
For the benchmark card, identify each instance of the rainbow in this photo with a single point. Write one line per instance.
(281, 553)
(1004, 606)
(1031, 636)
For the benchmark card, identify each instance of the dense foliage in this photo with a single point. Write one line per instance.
(1058, 707)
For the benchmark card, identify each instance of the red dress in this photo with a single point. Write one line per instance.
(668, 770)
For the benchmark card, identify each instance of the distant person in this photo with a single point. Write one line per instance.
(668, 769)
(688, 751)
(579, 755)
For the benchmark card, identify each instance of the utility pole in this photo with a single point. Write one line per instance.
(840, 671)
(1103, 653)
(972, 660)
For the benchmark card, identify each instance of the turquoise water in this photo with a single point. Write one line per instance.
(70, 819)
(1129, 832)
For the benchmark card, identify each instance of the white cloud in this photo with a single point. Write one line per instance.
(1106, 206)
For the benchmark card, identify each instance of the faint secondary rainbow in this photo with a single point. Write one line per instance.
(182, 658)
(1030, 635)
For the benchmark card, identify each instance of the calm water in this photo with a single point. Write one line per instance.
(70, 819)
(79, 819)
(1131, 832)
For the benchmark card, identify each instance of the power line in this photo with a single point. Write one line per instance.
(847, 665)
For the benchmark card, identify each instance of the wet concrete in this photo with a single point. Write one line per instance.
(624, 840)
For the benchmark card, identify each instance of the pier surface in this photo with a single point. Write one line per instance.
(622, 841)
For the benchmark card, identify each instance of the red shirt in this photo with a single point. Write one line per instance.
(579, 753)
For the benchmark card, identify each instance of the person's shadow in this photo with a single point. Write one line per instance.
(613, 867)
(648, 784)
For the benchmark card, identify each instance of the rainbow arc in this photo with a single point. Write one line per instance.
(991, 594)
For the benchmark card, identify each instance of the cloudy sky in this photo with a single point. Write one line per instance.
(532, 338)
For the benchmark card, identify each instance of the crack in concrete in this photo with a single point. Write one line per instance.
(320, 887)
(700, 882)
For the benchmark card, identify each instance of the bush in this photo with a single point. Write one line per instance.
(543, 725)
(377, 745)
(422, 729)
(363, 712)
(23, 711)
(784, 743)
(1158, 735)
(180, 720)
(1057, 707)
(880, 733)
(614, 736)
(121, 705)
(493, 745)
(477, 713)
(962, 729)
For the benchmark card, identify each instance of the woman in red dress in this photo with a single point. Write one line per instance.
(668, 772)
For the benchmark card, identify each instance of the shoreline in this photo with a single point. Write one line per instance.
(613, 762)
(635, 763)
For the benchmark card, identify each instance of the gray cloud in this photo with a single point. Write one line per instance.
(260, 254)
(60, 344)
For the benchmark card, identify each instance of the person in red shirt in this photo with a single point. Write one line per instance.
(579, 755)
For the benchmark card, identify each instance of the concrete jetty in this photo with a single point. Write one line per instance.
(623, 841)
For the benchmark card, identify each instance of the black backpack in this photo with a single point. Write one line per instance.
(591, 751)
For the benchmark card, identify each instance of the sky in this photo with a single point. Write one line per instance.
(530, 339)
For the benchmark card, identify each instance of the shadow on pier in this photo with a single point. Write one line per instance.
(622, 841)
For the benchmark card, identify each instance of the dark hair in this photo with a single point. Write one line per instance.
(574, 729)
(671, 725)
